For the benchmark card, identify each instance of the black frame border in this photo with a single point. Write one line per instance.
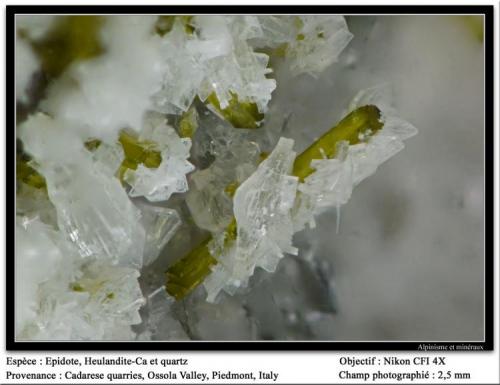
(486, 345)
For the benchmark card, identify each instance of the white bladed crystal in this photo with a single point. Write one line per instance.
(262, 208)
(246, 27)
(93, 210)
(158, 184)
(100, 305)
(108, 158)
(183, 74)
(322, 40)
(114, 292)
(218, 59)
(313, 42)
(243, 73)
(276, 30)
(65, 297)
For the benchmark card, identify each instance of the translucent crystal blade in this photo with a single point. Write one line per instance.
(262, 206)
(93, 210)
(160, 225)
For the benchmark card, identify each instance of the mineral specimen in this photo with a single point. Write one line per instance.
(155, 147)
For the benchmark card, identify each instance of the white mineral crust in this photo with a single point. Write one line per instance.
(112, 91)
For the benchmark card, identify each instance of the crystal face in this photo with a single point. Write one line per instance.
(181, 177)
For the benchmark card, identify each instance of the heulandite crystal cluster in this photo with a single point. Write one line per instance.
(148, 176)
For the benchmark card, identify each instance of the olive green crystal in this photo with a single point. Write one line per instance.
(92, 144)
(188, 123)
(137, 152)
(231, 188)
(165, 24)
(27, 174)
(240, 114)
(360, 123)
(77, 287)
(187, 273)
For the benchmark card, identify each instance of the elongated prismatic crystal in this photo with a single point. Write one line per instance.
(187, 273)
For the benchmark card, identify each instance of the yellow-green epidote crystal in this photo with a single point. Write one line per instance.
(27, 174)
(188, 123)
(187, 273)
(137, 152)
(239, 113)
(360, 123)
(190, 271)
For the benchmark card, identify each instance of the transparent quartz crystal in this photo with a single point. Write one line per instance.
(160, 225)
(210, 195)
(161, 323)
